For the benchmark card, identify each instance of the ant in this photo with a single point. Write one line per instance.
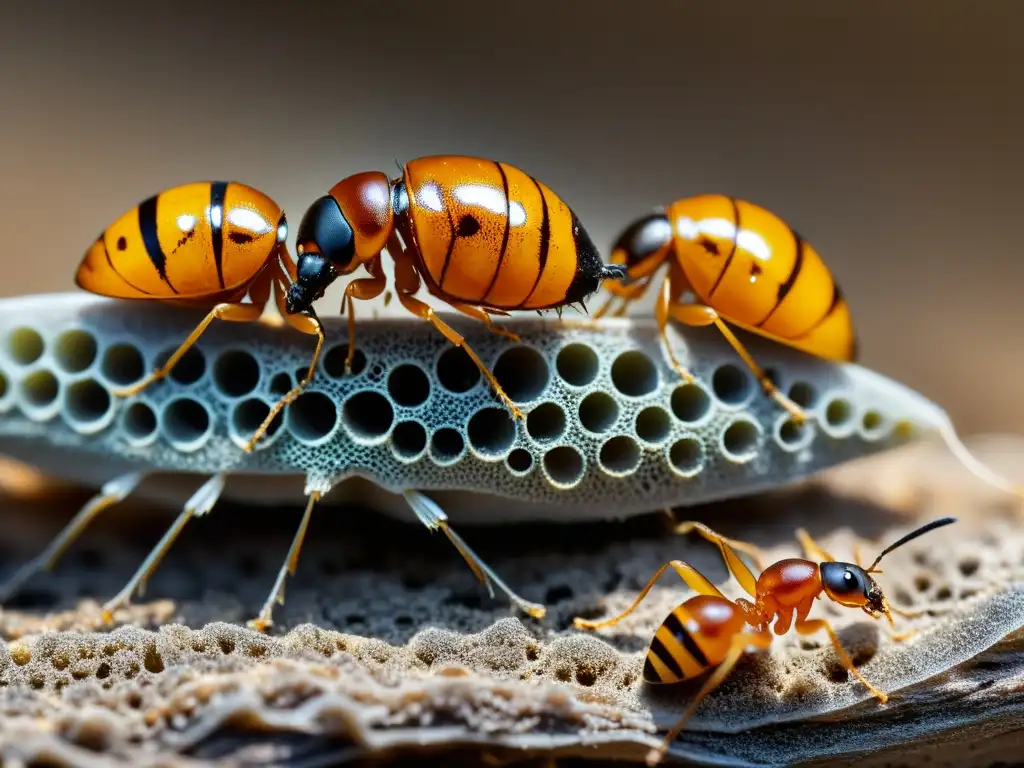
(710, 631)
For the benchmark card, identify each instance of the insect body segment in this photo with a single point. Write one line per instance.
(730, 261)
(485, 238)
(206, 245)
(709, 631)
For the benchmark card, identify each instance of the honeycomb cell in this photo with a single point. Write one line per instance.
(564, 465)
(139, 422)
(577, 364)
(523, 373)
(186, 423)
(690, 403)
(620, 455)
(333, 362)
(447, 446)
(409, 440)
(75, 350)
(732, 385)
(408, 385)
(491, 431)
(86, 401)
(546, 422)
(634, 374)
(236, 373)
(598, 412)
(40, 388)
(653, 425)
(686, 456)
(25, 345)
(367, 415)
(740, 440)
(519, 461)
(247, 416)
(122, 364)
(312, 418)
(456, 371)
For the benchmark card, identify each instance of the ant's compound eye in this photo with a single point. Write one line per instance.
(282, 230)
(325, 225)
(843, 579)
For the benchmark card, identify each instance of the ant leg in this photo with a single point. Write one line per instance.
(694, 579)
(111, 493)
(199, 504)
(432, 516)
(364, 289)
(735, 565)
(698, 315)
(737, 647)
(811, 548)
(662, 312)
(484, 317)
(810, 626)
(236, 313)
(310, 325)
(263, 620)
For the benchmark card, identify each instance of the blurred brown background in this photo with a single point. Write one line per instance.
(888, 133)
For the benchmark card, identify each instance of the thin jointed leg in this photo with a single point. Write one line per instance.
(263, 621)
(812, 550)
(202, 501)
(236, 313)
(478, 314)
(737, 648)
(810, 626)
(111, 493)
(699, 315)
(726, 545)
(662, 313)
(364, 289)
(694, 579)
(310, 325)
(432, 516)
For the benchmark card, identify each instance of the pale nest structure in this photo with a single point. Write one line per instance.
(387, 646)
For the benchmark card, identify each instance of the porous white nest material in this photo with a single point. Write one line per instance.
(396, 650)
(611, 428)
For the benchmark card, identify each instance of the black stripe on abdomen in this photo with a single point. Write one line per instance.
(218, 191)
(665, 657)
(147, 226)
(545, 241)
(682, 634)
(735, 245)
(794, 274)
(505, 236)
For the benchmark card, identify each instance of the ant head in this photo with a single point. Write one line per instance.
(852, 586)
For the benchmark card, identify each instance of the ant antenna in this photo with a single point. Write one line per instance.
(401, 169)
(910, 537)
(979, 470)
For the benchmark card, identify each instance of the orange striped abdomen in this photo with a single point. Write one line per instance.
(203, 239)
(491, 235)
(757, 272)
(692, 639)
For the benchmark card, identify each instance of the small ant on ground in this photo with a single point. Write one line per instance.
(710, 631)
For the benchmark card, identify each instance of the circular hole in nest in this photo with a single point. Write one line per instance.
(652, 424)
(122, 364)
(731, 384)
(368, 414)
(236, 373)
(25, 345)
(520, 461)
(620, 455)
(4, 386)
(40, 388)
(408, 385)
(491, 431)
(577, 364)
(523, 373)
(564, 465)
(185, 421)
(409, 439)
(690, 403)
(873, 423)
(546, 422)
(248, 415)
(334, 361)
(190, 367)
(75, 350)
(139, 421)
(739, 440)
(312, 417)
(86, 401)
(686, 456)
(634, 374)
(598, 412)
(456, 370)
(791, 433)
(447, 445)
(281, 384)
(838, 412)
(803, 394)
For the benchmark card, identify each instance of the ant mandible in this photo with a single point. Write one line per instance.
(710, 631)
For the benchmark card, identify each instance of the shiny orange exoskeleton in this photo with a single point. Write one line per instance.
(485, 237)
(743, 265)
(207, 244)
(709, 631)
